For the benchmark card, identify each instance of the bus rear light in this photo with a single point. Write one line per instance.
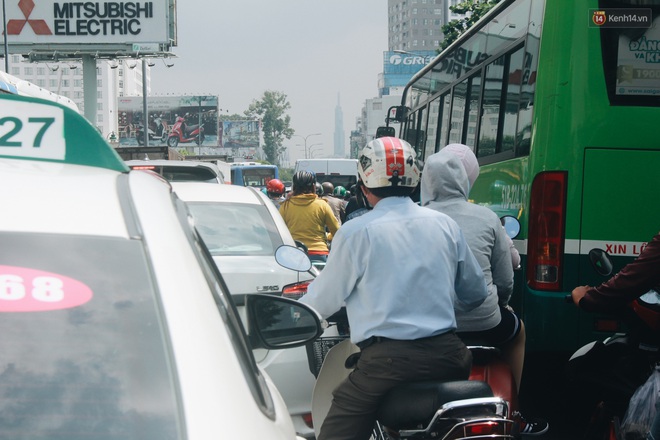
(546, 274)
(296, 290)
(547, 219)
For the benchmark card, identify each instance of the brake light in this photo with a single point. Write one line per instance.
(296, 290)
(143, 167)
(484, 428)
(547, 219)
(307, 418)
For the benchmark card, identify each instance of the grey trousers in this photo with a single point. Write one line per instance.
(384, 365)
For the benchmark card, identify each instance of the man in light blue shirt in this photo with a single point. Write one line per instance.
(400, 270)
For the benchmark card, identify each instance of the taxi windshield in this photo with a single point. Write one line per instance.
(83, 351)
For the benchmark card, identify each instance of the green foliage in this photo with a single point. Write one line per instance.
(275, 123)
(473, 11)
(286, 174)
(234, 117)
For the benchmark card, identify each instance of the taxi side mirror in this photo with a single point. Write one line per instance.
(275, 323)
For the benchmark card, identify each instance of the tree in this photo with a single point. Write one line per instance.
(472, 10)
(275, 123)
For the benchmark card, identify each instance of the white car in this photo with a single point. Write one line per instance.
(116, 322)
(181, 170)
(242, 228)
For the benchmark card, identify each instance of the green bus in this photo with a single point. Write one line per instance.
(558, 100)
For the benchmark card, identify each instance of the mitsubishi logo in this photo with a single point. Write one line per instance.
(15, 27)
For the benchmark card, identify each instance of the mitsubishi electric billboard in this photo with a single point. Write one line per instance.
(88, 26)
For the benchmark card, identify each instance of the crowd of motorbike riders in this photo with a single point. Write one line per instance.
(413, 283)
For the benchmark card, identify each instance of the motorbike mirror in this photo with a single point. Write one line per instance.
(385, 132)
(275, 322)
(511, 226)
(601, 261)
(292, 258)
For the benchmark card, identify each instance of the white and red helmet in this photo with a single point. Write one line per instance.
(388, 162)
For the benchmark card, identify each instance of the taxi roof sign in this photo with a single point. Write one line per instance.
(37, 129)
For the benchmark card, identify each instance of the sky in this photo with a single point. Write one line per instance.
(315, 52)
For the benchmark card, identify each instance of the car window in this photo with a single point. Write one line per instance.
(236, 229)
(82, 328)
(188, 174)
(173, 173)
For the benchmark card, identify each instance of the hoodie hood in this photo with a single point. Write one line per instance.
(443, 178)
(303, 199)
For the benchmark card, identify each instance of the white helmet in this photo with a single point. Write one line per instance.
(388, 162)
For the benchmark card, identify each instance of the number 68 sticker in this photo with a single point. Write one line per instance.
(30, 290)
(35, 130)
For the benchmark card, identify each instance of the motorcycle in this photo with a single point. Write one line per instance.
(183, 133)
(483, 406)
(611, 370)
(317, 263)
(139, 134)
(162, 129)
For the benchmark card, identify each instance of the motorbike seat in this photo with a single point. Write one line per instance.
(190, 128)
(414, 404)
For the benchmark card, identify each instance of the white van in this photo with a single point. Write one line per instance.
(342, 172)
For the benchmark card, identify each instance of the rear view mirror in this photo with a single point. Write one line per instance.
(385, 132)
(600, 260)
(293, 258)
(511, 226)
(275, 322)
(401, 113)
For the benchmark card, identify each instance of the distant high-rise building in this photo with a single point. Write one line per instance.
(340, 141)
(416, 24)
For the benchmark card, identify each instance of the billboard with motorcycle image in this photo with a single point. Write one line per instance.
(176, 121)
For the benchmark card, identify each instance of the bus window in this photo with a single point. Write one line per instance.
(630, 59)
(515, 76)
(473, 109)
(490, 117)
(527, 92)
(431, 138)
(415, 132)
(458, 112)
(444, 120)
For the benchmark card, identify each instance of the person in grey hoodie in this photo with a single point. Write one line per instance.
(446, 181)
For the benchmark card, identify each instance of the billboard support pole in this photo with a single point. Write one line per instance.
(4, 26)
(145, 116)
(90, 99)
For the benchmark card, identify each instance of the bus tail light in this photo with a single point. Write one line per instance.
(547, 220)
(296, 290)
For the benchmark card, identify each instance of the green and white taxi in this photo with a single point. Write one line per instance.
(115, 322)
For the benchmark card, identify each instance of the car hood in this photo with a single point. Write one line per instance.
(256, 274)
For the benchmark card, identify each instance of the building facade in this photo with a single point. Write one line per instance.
(416, 24)
(114, 79)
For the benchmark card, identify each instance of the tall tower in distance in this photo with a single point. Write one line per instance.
(340, 141)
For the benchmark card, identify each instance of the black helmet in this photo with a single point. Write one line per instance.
(304, 181)
(319, 189)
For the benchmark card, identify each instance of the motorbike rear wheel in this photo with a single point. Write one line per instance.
(172, 141)
(200, 139)
(140, 138)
